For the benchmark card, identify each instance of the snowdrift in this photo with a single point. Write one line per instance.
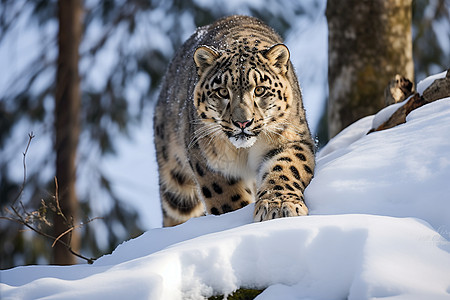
(379, 228)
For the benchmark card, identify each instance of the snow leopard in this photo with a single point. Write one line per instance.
(230, 127)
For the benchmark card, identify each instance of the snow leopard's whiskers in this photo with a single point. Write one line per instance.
(203, 132)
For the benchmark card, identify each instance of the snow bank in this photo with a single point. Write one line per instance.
(379, 228)
(400, 172)
(403, 171)
(320, 257)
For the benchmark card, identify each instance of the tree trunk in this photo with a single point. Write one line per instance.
(369, 43)
(67, 105)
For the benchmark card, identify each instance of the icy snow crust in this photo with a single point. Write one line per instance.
(379, 227)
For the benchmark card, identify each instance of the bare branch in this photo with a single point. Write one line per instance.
(27, 219)
(58, 207)
(73, 228)
(30, 137)
(21, 221)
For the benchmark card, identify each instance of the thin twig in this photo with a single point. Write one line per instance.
(73, 228)
(59, 210)
(30, 137)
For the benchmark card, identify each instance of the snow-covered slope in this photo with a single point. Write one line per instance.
(379, 227)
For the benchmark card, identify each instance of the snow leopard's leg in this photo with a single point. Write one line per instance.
(222, 194)
(178, 193)
(285, 173)
(178, 189)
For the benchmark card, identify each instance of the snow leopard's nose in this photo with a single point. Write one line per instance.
(244, 124)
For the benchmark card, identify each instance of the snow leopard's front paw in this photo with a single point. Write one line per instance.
(281, 207)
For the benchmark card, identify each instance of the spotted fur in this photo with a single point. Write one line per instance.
(230, 127)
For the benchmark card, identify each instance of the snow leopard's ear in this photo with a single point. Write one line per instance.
(204, 57)
(278, 56)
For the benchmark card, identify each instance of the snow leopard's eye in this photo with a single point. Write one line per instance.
(223, 93)
(260, 90)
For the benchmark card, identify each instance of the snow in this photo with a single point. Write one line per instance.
(384, 114)
(423, 84)
(379, 228)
